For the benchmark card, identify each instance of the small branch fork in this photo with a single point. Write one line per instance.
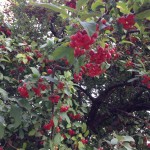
(103, 97)
(57, 33)
(130, 115)
(106, 13)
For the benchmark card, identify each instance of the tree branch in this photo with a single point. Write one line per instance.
(103, 99)
(106, 13)
(85, 92)
(57, 33)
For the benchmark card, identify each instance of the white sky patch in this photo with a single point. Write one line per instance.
(2, 3)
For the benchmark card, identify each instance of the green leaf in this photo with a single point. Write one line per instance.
(3, 94)
(4, 60)
(133, 79)
(133, 70)
(43, 46)
(114, 141)
(126, 42)
(9, 49)
(57, 139)
(24, 145)
(128, 139)
(127, 146)
(35, 72)
(143, 14)
(32, 132)
(77, 124)
(22, 44)
(96, 4)
(53, 7)
(16, 113)
(119, 137)
(80, 135)
(74, 138)
(86, 133)
(65, 117)
(68, 8)
(76, 66)
(33, 45)
(2, 66)
(81, 3)
(21, 134)
(21, 56)
(68, 126)
(25, 104)
(2, 119)
(67, 91)
(90, 27)
(84, 128)
(25, 60)
(2, 129)
(105, 65)
(123, 7)
(78, 63)
(84, 15)
(80, 145)
(139, 60)
(67, 74)
(64, 51)
(55, 121)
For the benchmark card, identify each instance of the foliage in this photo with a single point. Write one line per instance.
(75, 75)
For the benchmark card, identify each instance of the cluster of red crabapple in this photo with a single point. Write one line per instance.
(81, 42)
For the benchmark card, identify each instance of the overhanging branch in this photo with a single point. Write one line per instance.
(85, 92)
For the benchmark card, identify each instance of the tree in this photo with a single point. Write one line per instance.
(75, 75)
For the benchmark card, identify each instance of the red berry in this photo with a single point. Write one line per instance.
(71, 132)
(64, 108)
(127, 21)
(57, 129)
(64, 136)
(2, 47)
(60, 119)
(49, 125)
(42, 86)
(60, 85)
(40, 80)
(54, 98)
(8, 32)
(77, 77)
(42, 142)
(84, 141)
(71, 4)
(146, 80)
(21, 69)
(38, 54)
(129, 63)
(23, 91)
(81, 40)
(37, 91)
(148, 145)
(106, 45)
(103, 21)
(49, 71)
(1, 148)
(27, 49)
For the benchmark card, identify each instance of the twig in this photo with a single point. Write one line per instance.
(129, 115)
(106, 13)
(85, 92)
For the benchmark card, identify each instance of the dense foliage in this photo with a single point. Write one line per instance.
(75, 75)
